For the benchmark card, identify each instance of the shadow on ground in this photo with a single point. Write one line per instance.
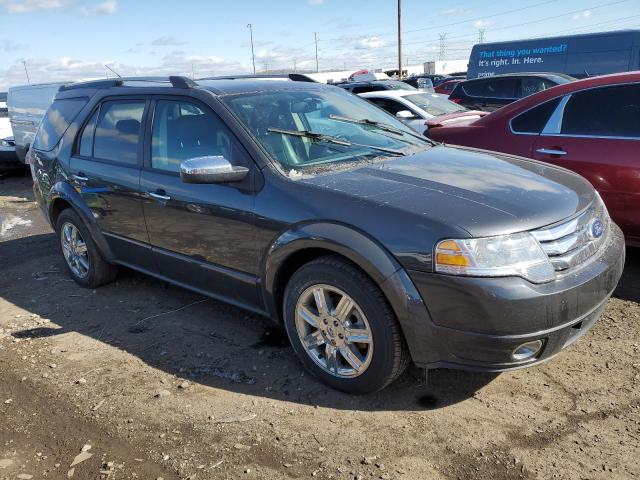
(196, 338)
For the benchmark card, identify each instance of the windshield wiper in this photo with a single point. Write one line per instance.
(321, 137)
(378, 125)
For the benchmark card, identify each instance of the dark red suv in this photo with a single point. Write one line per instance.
(590, 126)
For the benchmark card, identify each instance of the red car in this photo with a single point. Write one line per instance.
(590, 126)
(447, 87)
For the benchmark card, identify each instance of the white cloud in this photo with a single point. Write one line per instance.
(370, 42)
(166, 40)
(582, 15)
(108, 7)
(481, 24)
(26, 6)
(449, 12)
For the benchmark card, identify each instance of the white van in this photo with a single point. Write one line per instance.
(8, 158)
(27, 105)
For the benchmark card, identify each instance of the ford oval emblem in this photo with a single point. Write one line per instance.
(597, 228)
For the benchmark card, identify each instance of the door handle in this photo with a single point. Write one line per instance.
(551, 151)
(80, 177)
(160, 195)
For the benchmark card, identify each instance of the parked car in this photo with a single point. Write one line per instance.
(414, 108)
(491, 93)
(435, 79)
(447, 86)
(374, 86)
(27, 105)
(590, 126)
(372, 245)
(8, 158)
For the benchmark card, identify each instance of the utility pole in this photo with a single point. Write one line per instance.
(26, 72)
(399, 39)
(481, 35)
(253, 56)
(315, 36)
(443, 47)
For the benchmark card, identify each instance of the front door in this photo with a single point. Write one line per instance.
(202, 235)
(105, 170)
(599, 138)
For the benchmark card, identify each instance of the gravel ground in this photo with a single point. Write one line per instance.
(139, 379)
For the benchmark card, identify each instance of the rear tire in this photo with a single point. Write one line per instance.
(353, 342)
(82, 257)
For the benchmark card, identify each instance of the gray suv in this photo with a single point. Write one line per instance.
(371, 245)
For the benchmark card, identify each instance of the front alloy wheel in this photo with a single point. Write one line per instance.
(334, 331)
(342, 327)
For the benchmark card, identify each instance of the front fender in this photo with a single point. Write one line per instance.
(371, 257)
(64, 191)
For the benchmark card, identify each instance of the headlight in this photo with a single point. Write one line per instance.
(517, 255)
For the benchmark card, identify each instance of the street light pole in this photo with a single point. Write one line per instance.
(315, 36)
(399, 39)
(253, 56)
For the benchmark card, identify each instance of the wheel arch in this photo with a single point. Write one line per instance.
(63, 196)
(304, 243)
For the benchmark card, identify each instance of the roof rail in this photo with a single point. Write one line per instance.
(295, 77)
(92, 84)
(182, 82)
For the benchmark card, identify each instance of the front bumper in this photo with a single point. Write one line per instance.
(476, 323)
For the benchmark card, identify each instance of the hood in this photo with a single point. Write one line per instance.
(484, 193)
(456, 118)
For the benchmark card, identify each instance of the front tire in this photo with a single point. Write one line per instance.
(342, 328)
(82, 257)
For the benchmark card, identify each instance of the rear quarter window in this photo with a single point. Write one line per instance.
(56, 121)
(534, 120)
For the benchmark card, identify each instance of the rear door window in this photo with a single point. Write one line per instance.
(533, 121)
(118, 131)
(56, 121)
(604, 112)
(500, 88)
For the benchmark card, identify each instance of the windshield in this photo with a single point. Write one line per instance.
(434, 104)
(300, 128)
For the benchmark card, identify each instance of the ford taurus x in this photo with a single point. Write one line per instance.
(307, 204)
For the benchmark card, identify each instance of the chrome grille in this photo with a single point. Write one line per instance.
(570, 243)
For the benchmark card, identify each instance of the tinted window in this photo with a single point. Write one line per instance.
(56, 121)
(608, 112)
(117, 136)
(182, 130)
(493, 88)
(534, 120)
(531, 85)
(86, 137)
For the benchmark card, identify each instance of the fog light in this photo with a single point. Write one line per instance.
(527, 350)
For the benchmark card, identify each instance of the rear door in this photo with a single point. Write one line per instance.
(598, 136)
(202, 235)
(105, 169)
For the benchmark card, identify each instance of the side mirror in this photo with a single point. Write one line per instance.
(211, 169)
(405, 115)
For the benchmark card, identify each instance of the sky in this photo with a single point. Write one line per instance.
(61, 40)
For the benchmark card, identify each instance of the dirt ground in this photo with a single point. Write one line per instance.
(145, 380)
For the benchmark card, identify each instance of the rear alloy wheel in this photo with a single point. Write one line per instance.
(83, 259)
(342, 328)
(74, 250)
